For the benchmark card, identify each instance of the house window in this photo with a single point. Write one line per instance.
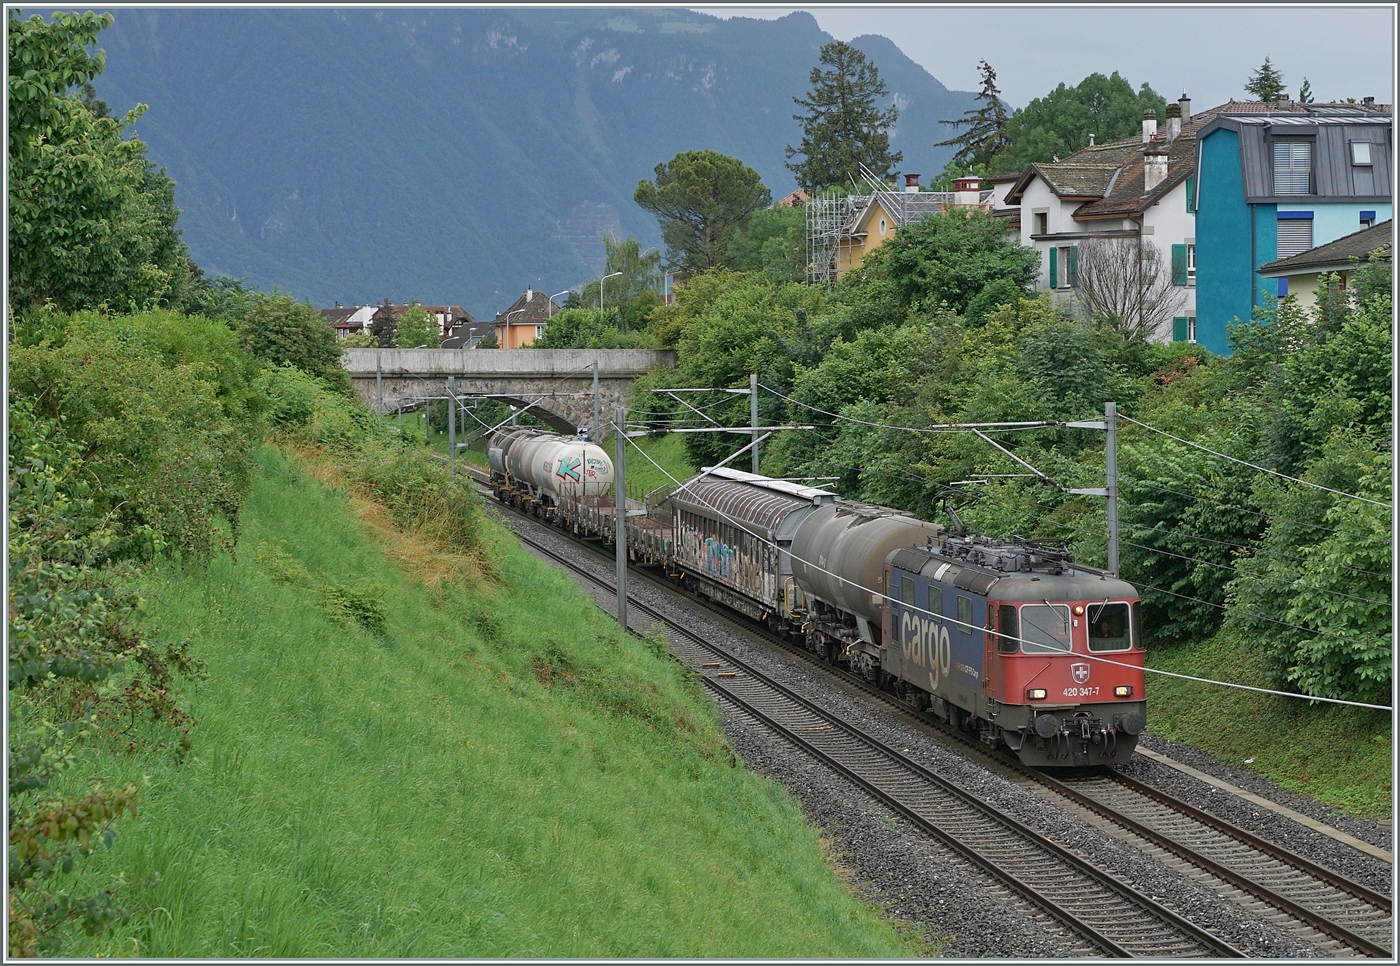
(1191, 329)
(1191, 265)
(1360, 152)
(1295, 234)
(882, 226)
(1069, 258)
(539, 331)
(1042, 223)
(1184, 328)
(1368, 219)
(1292, 167)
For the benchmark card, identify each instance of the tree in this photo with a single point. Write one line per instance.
(416, 328)
(384, 323)
(1266, 83)
(1059, 124)
(842, 128)
(91, 222)
(700, 199)
(634, 293)
(946, 258)
(281, 331)
(1305, 94)
(774, 242)
(985, 136)
(1124, 283)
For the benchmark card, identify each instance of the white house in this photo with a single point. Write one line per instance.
(1138, 188)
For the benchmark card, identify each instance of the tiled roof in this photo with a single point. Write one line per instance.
(536, 306)
(336, 316)
(1295, 107)
(1359, 244)
(1113, 173)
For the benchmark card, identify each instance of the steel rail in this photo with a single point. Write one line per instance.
(985, 811)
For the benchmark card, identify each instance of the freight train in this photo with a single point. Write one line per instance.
(1011, 640)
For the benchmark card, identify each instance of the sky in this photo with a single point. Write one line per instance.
(1206, 52)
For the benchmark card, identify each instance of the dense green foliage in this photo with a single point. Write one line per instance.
(773, 242)
(1060, 123)
(701, 199)
(130, 439)
(843, 128)
(284, 332)
(91, 222)
(631, 295)
(416, 328)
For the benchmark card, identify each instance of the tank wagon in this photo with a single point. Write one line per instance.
(1007, 639)
(534, 470)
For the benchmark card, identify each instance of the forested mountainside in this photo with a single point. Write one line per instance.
(460, 155)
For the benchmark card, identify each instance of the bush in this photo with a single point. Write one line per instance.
(284, 332)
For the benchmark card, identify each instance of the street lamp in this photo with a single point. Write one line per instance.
(506, 323)
(555, 296)
(600, 288)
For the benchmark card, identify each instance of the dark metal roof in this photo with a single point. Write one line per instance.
(1334, 254)
(1334, 176)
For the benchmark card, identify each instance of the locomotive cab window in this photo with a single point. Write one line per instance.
(935, 602)
(1007, 631)
(1045, 630)
(908, 592)
(1108, 627)
(965, 614)
(1135, 618)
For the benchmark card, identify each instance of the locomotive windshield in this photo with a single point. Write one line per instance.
(1108, 627)
(1045, 629)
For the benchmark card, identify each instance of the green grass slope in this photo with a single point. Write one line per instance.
(499, 773)
(1336, 754)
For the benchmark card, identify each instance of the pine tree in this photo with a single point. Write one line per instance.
(1267, 82)
(985, 136)
(843, 129)
(1305, 94)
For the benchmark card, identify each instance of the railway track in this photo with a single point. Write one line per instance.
(1318, 905)
(1090, 903)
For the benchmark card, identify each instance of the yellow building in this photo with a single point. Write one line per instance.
(525, 320)
(877, 218)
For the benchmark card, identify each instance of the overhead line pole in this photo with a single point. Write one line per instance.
(620, 485)
(753, 417)
(451, 423)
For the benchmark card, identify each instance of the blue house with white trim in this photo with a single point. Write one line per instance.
(1274, 180)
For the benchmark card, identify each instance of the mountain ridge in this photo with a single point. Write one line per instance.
(459, 155)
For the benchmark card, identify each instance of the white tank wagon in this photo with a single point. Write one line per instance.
(530, 467)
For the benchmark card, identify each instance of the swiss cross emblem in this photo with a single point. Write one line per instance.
(1080, 672)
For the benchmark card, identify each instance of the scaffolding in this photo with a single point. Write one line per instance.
(828, 235)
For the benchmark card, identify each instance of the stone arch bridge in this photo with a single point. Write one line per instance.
(553, 385)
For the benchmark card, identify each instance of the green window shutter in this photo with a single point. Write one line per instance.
(1053, 273)
(1072, 267)
(1191, 193)
(1178, 264)
(1179, 329)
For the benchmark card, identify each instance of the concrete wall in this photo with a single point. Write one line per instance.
(508, 362)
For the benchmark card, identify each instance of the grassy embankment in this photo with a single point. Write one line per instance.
(498, 772)
(1335, 754)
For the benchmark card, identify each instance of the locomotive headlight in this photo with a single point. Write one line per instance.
(1078, 609)
(1123, 691)
(1036, 694)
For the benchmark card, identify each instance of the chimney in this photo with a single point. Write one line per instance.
(339, 306)
(529, 295)
(1368, 101)
(1091, 139)
(1185, 104)
(1149, 126)
(967, 192)
(911, 183)
(1154, 165)
(1173, 122)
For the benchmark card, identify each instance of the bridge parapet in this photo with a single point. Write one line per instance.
(484, 363)
(554, 384)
